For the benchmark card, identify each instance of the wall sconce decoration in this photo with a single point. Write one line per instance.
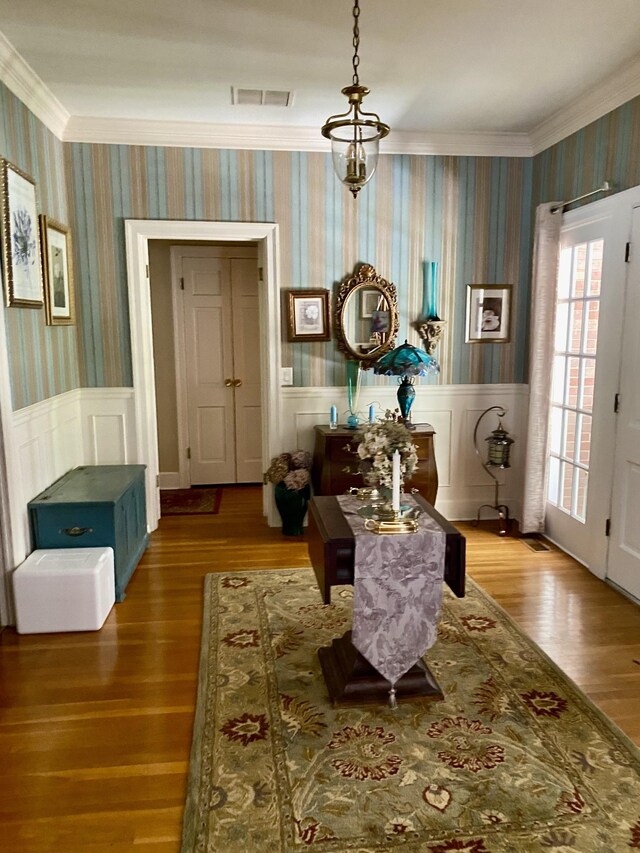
(355, 135)
(499, 448)
(406, 361)
(431, 327)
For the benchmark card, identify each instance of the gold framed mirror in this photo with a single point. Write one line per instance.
(366, 316)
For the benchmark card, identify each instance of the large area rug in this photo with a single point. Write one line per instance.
(190, 501)
(514, 759)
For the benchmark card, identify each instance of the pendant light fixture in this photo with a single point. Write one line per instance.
(355, 135)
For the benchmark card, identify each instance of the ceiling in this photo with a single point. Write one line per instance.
(434, 67)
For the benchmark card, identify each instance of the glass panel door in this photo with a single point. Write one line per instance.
(574, 368)
(584, 381)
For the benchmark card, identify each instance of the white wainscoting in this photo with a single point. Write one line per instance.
(96, 426)
(86, 426)
(108, 426)
(453, 411)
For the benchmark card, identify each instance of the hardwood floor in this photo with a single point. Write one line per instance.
(95, 728)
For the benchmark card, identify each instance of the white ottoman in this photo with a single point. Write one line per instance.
(64, 589)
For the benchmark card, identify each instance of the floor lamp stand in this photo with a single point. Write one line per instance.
(501, 509)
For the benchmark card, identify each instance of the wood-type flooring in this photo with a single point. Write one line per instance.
(95, 728)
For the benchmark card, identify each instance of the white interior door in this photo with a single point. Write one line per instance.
(579, 463)
(209, 369)
(623, 566)
(218, 357)
(247, 380)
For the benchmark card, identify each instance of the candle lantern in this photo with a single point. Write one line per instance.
(499, 447)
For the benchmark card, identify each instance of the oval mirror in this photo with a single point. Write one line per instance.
(366, 316)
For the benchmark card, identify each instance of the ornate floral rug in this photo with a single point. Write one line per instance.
(514, 760)
(190, 501)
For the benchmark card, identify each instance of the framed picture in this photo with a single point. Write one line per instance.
(488, 313)
(309, 315)
(379, 322)
(20, 239)
(370, 300)
(57, 266)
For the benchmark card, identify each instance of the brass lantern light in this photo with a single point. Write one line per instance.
(355, 135)
(499, 447)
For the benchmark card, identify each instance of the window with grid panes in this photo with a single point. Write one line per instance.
(574, 367)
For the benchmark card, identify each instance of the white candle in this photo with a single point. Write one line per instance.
(372, 414)
(395, 482)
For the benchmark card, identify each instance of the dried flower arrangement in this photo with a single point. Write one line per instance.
(377, 444)
(292, 469)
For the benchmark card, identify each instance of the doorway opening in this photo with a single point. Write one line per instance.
(205, 315)
(138, 233)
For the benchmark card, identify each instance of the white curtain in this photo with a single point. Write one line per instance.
(543, 304)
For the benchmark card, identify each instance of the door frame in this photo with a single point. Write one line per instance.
(138, 232)
(176, 254)
(585, 540)
(617, 209)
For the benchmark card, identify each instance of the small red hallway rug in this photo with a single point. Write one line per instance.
(190, 501)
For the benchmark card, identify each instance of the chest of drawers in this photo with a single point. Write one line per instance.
(95, 506)
(334, 451)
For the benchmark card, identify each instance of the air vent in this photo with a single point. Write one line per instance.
(260, 97)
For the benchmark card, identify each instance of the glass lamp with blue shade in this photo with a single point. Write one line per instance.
(406, 361)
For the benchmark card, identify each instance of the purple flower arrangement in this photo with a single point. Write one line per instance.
(291, 469)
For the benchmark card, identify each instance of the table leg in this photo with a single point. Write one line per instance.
(351, 679)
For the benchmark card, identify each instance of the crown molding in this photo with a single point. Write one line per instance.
(479, 144)
(23, 81)
(616, 90)
(184, 134)
(274, 138)
(25, 84)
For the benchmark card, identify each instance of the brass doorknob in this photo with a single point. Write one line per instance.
(237, 383)
(228, 382)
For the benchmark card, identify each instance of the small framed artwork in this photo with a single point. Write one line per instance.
(308, 318)
(380, 322)
(370, 301)
(20, 239)
(57, 266)
(488, 313)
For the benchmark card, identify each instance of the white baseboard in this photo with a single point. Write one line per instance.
(169, 480)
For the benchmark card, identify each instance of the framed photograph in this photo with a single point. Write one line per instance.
(370, 301)
(488, 313)
(57, 266)
(309, 315)
(20, 239)
(380, 322)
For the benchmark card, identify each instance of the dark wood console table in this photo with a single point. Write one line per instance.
(333, 452)
(349, 677)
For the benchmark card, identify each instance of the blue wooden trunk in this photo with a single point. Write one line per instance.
(95, 506)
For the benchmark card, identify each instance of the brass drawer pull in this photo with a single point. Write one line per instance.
(76, 531)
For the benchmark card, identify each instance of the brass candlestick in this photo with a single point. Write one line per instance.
(391, 521)
(385, 519)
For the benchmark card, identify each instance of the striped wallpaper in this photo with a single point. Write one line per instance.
(472, 215)
(607, 149)
(43, 360)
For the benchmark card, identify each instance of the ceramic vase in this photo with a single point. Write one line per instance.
(292, 506)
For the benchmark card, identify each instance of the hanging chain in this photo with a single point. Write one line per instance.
(356, 42)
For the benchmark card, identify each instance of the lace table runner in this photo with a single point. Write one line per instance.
(397, 590)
